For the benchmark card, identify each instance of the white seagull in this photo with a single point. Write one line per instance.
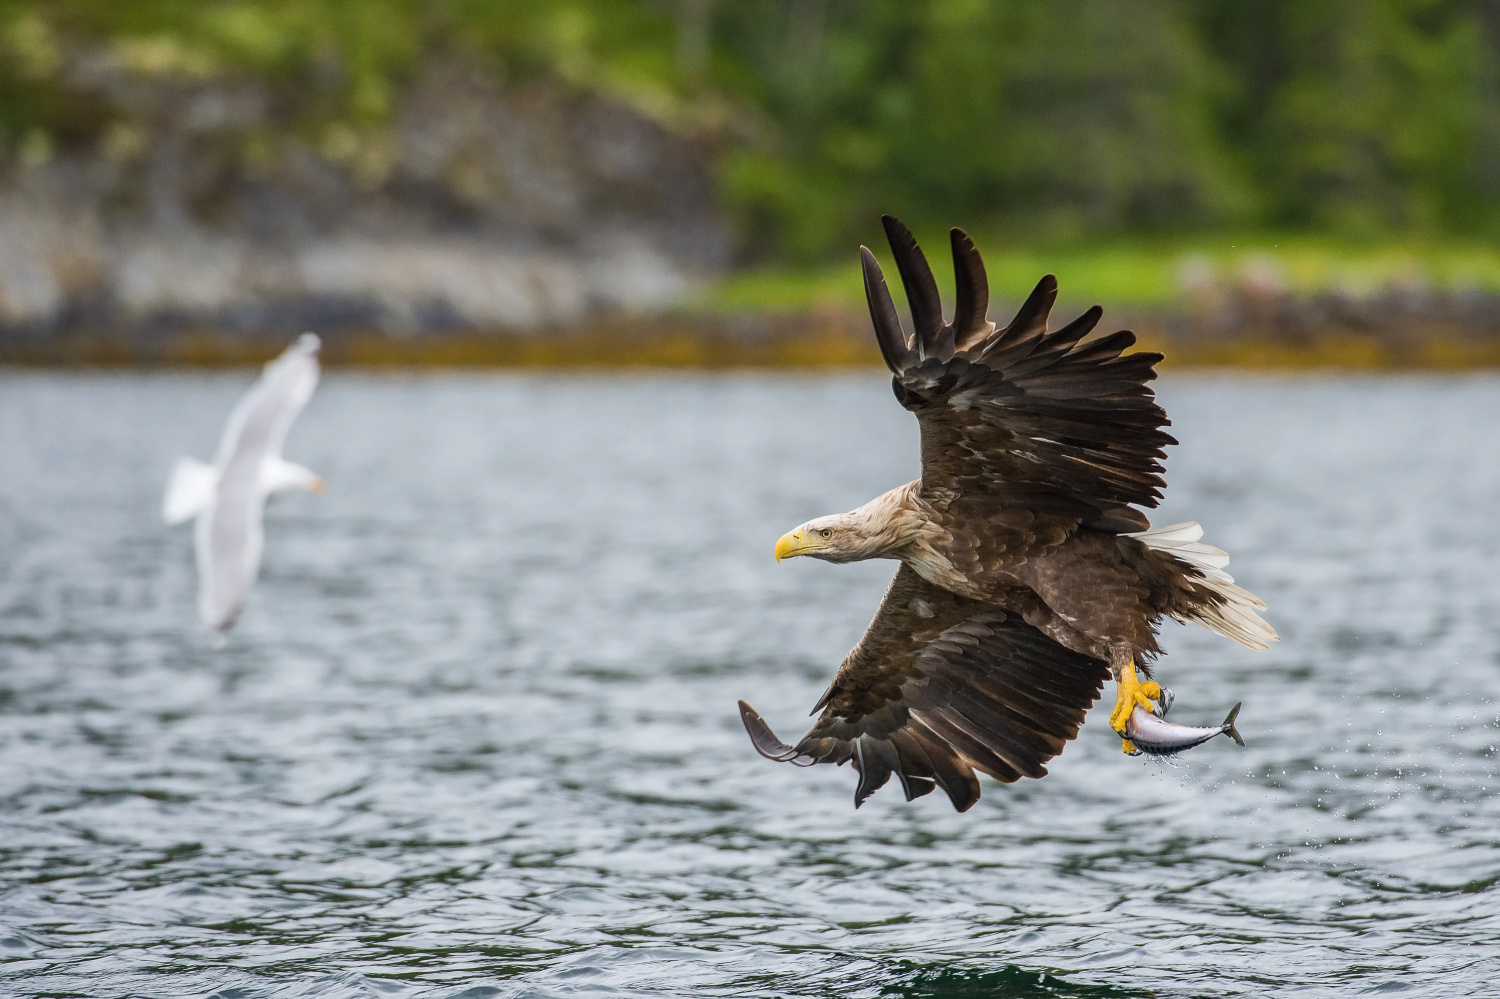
(228, 496)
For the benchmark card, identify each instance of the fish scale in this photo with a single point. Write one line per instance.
(1150, 732)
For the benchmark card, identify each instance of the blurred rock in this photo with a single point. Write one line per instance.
(1205, 294)
(481, 207)
(1259, 303)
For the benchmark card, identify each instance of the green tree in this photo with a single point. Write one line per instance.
(1063, 117)
(1052, 118)
(1353, 115)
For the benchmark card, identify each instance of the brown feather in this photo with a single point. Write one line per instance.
(921, 288)
(888, 333)
(972, 294)
(932, 696)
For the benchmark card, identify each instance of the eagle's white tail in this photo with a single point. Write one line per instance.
(1235, 616)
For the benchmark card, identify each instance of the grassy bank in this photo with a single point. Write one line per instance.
(1154, 274)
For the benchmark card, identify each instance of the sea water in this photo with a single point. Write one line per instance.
(476, 733)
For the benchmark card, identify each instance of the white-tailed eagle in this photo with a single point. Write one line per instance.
(1028, 574)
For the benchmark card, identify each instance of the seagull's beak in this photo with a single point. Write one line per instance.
(319, 485)
(793, 543)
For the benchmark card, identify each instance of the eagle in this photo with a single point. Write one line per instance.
(1029, 574)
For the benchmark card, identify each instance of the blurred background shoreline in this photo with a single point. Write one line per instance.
(682, 183)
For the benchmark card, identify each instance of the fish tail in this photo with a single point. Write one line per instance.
(1229, 728)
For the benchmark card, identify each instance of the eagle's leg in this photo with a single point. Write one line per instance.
(1130, 692)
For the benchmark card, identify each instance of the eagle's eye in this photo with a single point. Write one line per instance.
(827, 532)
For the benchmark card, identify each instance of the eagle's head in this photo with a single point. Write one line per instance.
(879, 529)
(832, 539)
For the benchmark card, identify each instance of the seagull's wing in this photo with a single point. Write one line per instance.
(941, 686)
(190, 490)
(230, 538)
(260, 421)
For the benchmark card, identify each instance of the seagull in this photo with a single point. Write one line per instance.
(227, 497)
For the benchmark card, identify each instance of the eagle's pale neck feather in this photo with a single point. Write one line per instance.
(896, 525)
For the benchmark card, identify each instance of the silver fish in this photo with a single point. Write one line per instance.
(1152, 734)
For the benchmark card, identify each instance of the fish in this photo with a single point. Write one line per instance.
(1149, 732)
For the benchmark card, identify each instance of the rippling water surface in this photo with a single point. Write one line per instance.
(476, 736)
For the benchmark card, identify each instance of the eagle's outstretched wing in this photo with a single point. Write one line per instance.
(1020, 418)
(938, 687)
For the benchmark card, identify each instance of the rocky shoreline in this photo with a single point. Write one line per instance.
(514, 208)
(823, 340)
(502, 224)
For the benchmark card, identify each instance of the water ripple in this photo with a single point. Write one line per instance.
(475, 736)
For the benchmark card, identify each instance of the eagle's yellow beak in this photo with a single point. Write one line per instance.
(795, 543)
(319, 485)
(786, 545)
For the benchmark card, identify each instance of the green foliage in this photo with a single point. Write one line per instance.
(1046, 120)
(1058, 116)
(1052, 119)
(333, 62)
(1360, 115)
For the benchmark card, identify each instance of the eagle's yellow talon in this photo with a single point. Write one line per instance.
(1130, 692)
(1128, 748)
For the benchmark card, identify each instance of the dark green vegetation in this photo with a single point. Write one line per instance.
(1064, 118)
(1046, 119)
